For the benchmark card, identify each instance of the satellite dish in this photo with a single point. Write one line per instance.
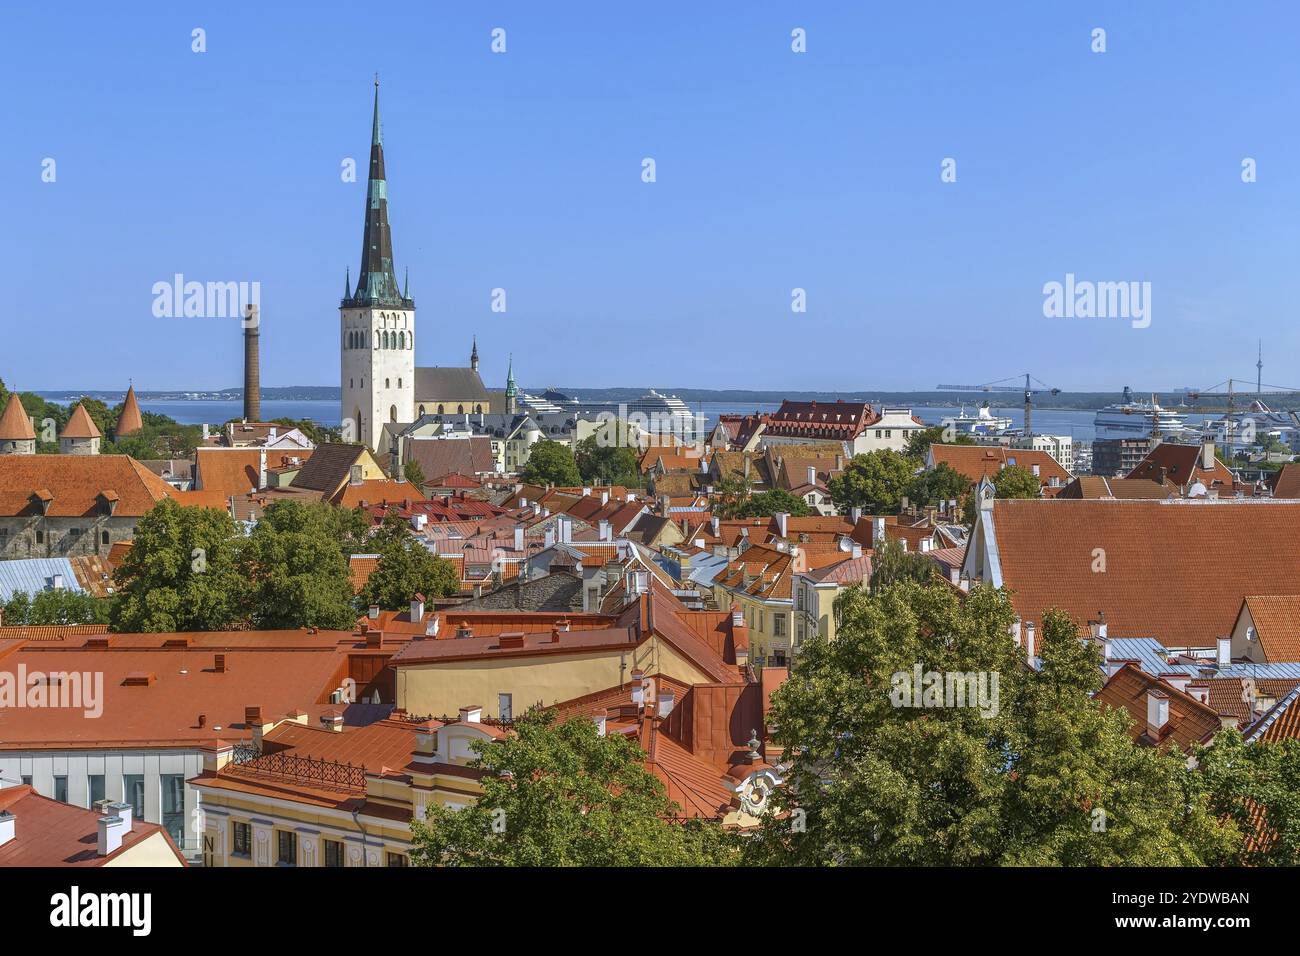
(1198, 490)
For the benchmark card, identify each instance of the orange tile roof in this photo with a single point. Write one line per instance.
(1286, 483)
(1175, 570)
(80, 425)
(373, 491)
(276, 670)
(130, 422)
(1277, 625)
(1181, 465)
(1190, 721)
(1095, 486)
(15, 424)
(974, 462)
(50, 833)
(77, 484)
(227, 471)
(360, 567)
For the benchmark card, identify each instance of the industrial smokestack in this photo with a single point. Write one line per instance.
(252, 369)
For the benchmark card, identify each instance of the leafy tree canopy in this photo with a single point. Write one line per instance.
(406, 568)
(876, 482)
(551, 463)
(559, 794)
(767, 503)
(59, 606)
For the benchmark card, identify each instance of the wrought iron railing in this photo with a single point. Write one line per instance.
(248, 759)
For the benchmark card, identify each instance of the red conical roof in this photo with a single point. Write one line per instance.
(130, 421)
(80, 425)
(14, 423)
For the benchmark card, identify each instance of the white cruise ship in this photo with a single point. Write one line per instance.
(1133, 418)
(983, 422)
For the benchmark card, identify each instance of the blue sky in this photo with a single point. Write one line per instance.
(775, 170)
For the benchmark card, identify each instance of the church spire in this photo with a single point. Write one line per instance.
(473, 355)
(511, 391)
(377, 284)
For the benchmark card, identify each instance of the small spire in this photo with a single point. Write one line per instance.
(406, 284)
(347, 283)
(376, 135)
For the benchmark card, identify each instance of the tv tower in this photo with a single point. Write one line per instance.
(1259, 369)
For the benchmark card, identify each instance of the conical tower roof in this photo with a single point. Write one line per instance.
(15, 425)
(130, 422)
(80, 425)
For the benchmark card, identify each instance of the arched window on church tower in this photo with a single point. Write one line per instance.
(401, 340)
(387, 384)
(392, 413)
(460, 409)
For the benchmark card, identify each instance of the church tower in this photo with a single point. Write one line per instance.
(377, 322)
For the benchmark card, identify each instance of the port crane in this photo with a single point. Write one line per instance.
(1002, 386)
(1218, 400)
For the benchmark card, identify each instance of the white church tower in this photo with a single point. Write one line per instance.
(377, 322)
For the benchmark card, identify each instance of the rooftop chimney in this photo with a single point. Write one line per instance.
(877, 530)
(332, 720)
(599, 718)
(219, 663)
(417, 608)
(111, 830)
(374, 612)
(122, 810)
(812, 474)
(715, 525)
(604, 497)
(519, 538)
(1030, 643)
(782, 522)
(604, 530)
(1157, 712)
(1207, 456)
(666, 701)
(1224, 651)
(472, 714)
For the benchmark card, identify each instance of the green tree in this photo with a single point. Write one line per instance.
(1016, 482)
(1257, 786)
(59, 606)
(730, 494)
(295, 562)
(767, 503)
(919, 442)
(550, 463)
(180, 574)
(1016, 779)
(559, 794)
(413, 473)
(876, 482)
(605, 463)
(942, 483)
(406, 568)
(890, 564)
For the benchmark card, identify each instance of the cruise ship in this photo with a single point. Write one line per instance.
(1133, 418)
(661, 414)
(983, 422)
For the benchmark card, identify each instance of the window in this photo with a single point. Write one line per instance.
(333, 853)
(173, 804)
(388, 383)
(61, 789)
(40, 537)
(133, 793)
(95, 784)
(778, 625)
(398, 859)
(27, 780)
(505, 706)
(241, 839)
(286, 848)
(104, 538)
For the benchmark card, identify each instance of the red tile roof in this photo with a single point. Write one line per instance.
(1277, 625)
(79, 485)
(1190, 722)
(835, 421)
(130, 422)
(1165, 576)
(50, 833)
(1181, 465)
(974, 462)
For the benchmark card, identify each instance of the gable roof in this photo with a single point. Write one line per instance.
(450, 456)
(15, 424)
(1096, 486)
(1165, 574)
(449, 384)
(1277, 624)
(1285, 484)
(328, 467)
(974, 462)
(1181, 465)
(51, 833)
(834, 421)
(78, 485)
(1190, 721)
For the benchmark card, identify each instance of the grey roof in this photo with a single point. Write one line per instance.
(34, 575)
(439, 384)
(439, 457)
(1153, 657)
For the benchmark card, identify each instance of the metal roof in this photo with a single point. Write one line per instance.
(34, 575)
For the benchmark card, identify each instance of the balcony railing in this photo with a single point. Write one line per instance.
(248, 760)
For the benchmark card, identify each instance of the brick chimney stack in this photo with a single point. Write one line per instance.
(252, 367)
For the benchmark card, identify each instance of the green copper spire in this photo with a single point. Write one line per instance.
(377, 284)
(510, 378)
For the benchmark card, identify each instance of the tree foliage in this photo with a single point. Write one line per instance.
(1257, 786)
(939, 484)
(556, 793)
(180, 573)
(767, 503)
(1016, 482)
(1044, 776)
(406, 568)
(919, 442)
(601, 462)
(876, 482)
(551, 463)
(56, 606)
